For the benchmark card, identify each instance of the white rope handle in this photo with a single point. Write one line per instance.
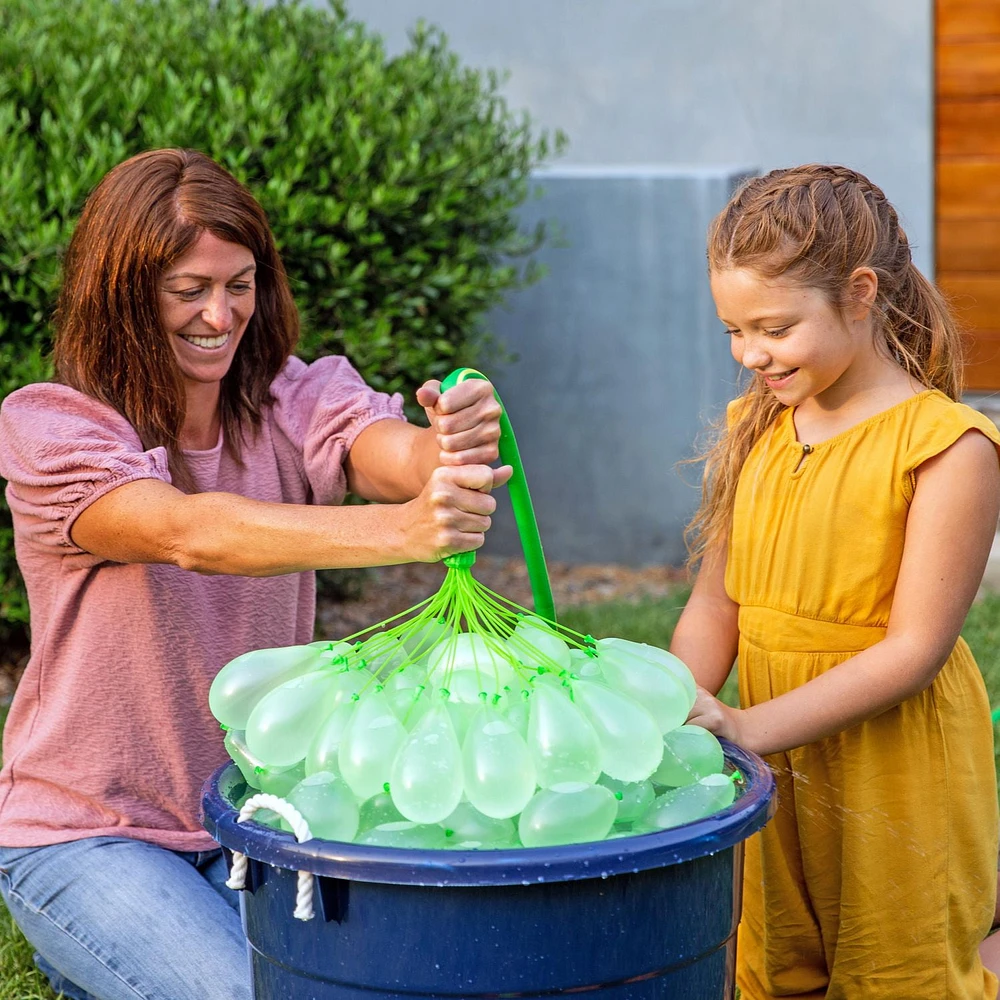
(295, 819)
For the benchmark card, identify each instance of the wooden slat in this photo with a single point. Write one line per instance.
(967, 18)
(968, 245)
(968, 69)
(969, 128)
(975, 298)
(967, 188)
(982, 370)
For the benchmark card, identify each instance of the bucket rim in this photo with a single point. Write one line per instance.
(522, 865)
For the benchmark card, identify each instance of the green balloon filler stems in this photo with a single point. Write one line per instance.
(520, 499)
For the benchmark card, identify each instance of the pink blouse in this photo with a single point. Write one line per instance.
(109, 733)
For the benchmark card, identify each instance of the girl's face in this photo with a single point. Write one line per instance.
(791, 336)
(206, 300)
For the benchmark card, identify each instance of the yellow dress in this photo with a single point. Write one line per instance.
(876, 878)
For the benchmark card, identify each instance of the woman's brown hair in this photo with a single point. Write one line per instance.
(109, 343)
(817, 225)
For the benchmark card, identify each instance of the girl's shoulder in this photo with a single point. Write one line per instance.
(932, 424)
(933, 418)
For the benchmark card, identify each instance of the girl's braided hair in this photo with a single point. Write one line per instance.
(816, 224)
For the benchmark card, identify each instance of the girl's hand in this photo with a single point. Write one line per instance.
(451, 513)
(711, 714)
(466, 420)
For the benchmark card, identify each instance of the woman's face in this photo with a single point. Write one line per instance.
(206, 301)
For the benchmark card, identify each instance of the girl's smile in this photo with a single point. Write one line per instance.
(779, 380)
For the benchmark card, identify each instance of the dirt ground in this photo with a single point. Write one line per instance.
(392, 589)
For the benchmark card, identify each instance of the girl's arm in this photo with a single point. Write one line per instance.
(707, 633)
(949, 531)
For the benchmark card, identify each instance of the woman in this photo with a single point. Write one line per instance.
(173, 490)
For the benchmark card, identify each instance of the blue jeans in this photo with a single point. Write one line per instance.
(113, 918)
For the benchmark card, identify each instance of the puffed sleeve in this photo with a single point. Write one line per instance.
(321, 408)
(61, 450)
(935, 427)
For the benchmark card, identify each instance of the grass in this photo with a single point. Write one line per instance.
(651, 620)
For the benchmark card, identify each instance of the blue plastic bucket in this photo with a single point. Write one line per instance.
(650, 916)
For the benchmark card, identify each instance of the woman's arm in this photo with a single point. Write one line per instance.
(391, 461)
(439, 471)
(949, 531)
(707, 633)
(150, 521)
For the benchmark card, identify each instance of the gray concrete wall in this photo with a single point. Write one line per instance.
(708, 82)
(621, 358)
(620, 362)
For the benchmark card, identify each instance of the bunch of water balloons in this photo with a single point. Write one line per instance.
(467, 722)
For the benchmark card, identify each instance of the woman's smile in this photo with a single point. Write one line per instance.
(212, 343)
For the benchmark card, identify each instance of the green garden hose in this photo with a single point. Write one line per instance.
(520, 498)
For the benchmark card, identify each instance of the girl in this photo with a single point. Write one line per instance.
(848, 513)
(172, 491)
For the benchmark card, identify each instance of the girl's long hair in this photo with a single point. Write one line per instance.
(109, 340)
(816, 224)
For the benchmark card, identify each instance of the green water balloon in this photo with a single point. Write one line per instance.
(481, 665)
(535, 644)
(692, 802)
(569, 813)
(268, 818)
(285, 721)
(425, 781)
(689, 753)
(405, 834)
(377, 810)
(659, 691)
(462, 713)
(634, 797)
(420, 641)
(250, 766)
(516, 707)
(403, 691)
(630, 739)
(561, 741)
(382, 653)
(499, 775)
(466, 686)
(281, 780)
(369, 745)
(585, 664)
(469, 829)
(661, 657)
(243, 681)
(328, 806)
(324, 751)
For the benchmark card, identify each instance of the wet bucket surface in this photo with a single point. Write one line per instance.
(648, 916)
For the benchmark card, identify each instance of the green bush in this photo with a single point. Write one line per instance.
(390, 183)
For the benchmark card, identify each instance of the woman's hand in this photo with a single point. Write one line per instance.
(711, 714)
(465, 419)
(451, 513)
